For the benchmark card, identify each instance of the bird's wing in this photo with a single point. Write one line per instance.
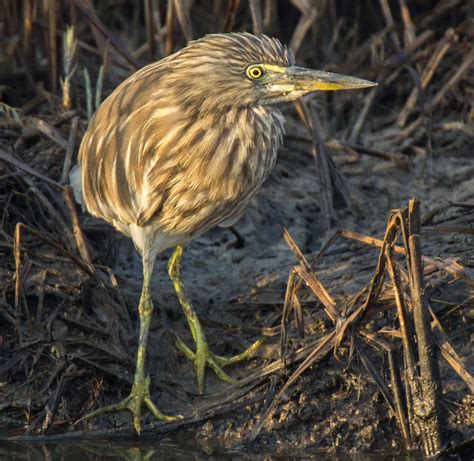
(124, 152)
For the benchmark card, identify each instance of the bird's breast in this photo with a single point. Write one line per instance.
(223, 169)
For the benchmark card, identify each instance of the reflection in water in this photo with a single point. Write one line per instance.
(164, 451)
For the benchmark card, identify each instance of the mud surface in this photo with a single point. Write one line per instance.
(67, 346)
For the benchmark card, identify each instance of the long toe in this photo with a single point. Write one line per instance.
(205, 357)
(139, 395)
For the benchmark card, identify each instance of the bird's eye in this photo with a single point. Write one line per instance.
(255, 72)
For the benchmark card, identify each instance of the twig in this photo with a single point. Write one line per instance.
(69, 151)
(256, 13)
(428, 410)
(441, 49)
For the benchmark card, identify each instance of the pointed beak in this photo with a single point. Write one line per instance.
(308, 80)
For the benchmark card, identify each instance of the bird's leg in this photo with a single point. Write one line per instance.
(203, 355)
(140, 393)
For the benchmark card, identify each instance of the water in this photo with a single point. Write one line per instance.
(165, 451)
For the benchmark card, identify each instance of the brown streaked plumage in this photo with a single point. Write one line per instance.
(183, 145)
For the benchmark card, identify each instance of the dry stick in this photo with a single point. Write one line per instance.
(320, 292)
(40, 305)
(69, 151)
(291, 299)
(150, 29)
(79, 237)
(428, 411)
(256, 13)
(395, 380)
(463, 204)
(7, 157)
(170, 26)
(52, 46)
(270, 12)
(64, 228)
(115, 286)
(320, 157)
(426, 116)
(449, 353)
(409, 29)
(230, 16)
(184, 19)
(287, 309)
(400, 401)
(58, 247)
(334, 338)
(308, 16)
(390, 64)
(450, 266)
(325, 344)
(360, 53)
(49, 131)
(76, 227)
(372, 370)
(463, 68)
(84, 46)
(390, 23)
(17, 256)
(307, 274)
(91, 15)
(356, 149)
(466, 129)
(407, 340)
(28, 44)
(401, 162)
(441, 49)
(450, 230)
(440, 8)
(375, 284)
(159, 32)
(83, 249)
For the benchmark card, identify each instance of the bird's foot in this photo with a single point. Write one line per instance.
(139, 395)
(205, 357)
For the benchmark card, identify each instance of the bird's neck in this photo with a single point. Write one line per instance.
(241, 144)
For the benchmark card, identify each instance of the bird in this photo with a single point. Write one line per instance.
(182, 146)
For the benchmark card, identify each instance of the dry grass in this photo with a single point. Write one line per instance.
(66, 330)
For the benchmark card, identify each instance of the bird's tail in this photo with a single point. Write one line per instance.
(76, 183)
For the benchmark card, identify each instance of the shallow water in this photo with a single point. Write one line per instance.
(164, 451)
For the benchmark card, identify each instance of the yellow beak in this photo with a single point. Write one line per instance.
(308, 80)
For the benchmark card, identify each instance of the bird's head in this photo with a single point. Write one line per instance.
(245, 69)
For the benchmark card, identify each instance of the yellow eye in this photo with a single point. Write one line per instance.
(255, 72)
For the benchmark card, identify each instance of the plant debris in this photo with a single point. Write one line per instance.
(368, 338)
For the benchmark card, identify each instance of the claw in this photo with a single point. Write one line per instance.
(204, 356)
(139, 395)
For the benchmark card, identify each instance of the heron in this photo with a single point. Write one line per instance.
(181, 146)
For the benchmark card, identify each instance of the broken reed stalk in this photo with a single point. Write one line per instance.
(427, 409)
(69, 66)
(81, 243)
(51, 9)
(18, 291)
(320, 156)
(398, 397)
(69, 151)
(150, 29)
(418, 412)
(441, 49)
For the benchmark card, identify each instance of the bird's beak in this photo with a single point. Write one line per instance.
(308, 80)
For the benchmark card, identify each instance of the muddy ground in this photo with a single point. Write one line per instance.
(67, 343)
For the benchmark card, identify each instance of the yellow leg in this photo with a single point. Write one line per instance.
(140, 393)
(203, 356)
